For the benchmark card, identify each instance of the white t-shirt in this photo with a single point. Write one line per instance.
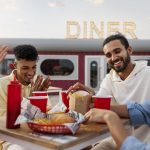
(136, 87)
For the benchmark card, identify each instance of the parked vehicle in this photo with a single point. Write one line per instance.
(70, 60)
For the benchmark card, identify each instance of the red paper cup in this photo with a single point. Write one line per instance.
(101, 102)
(65, 99)
(39, 93)
(40, 102)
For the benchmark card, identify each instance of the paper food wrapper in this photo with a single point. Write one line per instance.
(59, 107)
(80, 101)
(29, 112)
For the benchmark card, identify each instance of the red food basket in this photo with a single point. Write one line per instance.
(52, 129)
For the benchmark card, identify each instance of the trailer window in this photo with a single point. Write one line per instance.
(60, 67)
(5, 67)
(93, 74)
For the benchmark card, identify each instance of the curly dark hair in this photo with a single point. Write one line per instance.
(119, 37)
(27, 52)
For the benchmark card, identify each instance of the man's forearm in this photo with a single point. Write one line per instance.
(116, 128)
(90, 90)
(121, 110)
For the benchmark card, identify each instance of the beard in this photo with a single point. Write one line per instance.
(126, 61)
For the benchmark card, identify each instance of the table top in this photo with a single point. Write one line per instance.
(85, 132)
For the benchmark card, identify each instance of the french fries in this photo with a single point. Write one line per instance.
(55, 119)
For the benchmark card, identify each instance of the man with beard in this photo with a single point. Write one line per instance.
(26, 57)
(126, 81)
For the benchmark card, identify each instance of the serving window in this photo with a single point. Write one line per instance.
(95, 70)
(59, 67)
(6, 65)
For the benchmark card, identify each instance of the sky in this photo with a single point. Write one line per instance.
(74, 18)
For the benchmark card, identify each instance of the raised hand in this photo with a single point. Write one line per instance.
(35, 86)
(45, 84)
(40, 84)
(3, 52)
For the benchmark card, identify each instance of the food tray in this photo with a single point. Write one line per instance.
(52, 129)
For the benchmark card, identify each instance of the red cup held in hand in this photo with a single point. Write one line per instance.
(102, 102)
(40, 102)
(65, 99)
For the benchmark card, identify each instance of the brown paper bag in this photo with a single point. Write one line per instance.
(80, 103)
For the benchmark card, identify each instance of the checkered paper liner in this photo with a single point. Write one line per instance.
(52, 129)
(29, 112)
